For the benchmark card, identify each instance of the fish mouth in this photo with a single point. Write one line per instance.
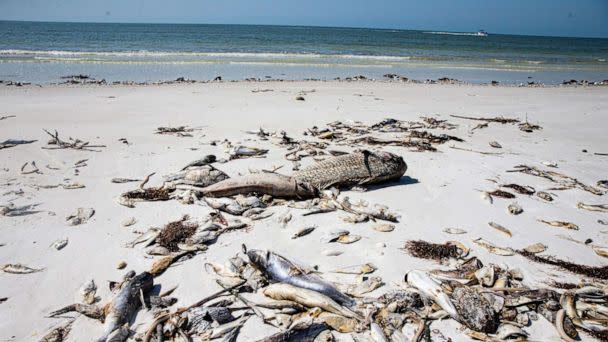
(258, 258)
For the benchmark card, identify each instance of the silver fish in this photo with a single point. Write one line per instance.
(279, 269)
(432, 289)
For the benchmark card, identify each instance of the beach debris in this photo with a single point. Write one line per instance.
(180, 131)
(129, 221)
(475, 310)
(331, 252)
(493, 248)
(434, 251)
(124, 180)
(284, 218)
(196, 176)
(520, 189)
(206, 160)
(119, 310)
(340, 235)
(566, 182)
(14, 142)
(81, 216)
(59, 333)
(498, 119)
(57, 143)
(431, 288)
(549, 163)
(456, 231)
(561, 224)
(280, 269)
(487, 197)
(528, 127)
(501, 194)
(33, 169)
(161, 265)
(602, 222)
(500, 228)
(19, 269)
(302, 232)
(593, 207)
(129, 198)
(603, 183)
(600, 272)
(60, 244)
(272, 184)
(176, 232)
(121, 265)
(601, 251)
(356, 269)
(383, 227)
(475, 151)
(358, 168)
(308, 298)
(535, 248)
(12, 210)
(515, 209)
(545, 196)
(239, 152)
(87, 292)
(495, 144)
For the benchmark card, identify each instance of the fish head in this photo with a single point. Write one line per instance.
(385, 165)
(258, 258)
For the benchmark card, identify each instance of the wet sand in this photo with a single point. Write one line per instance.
(440, 189)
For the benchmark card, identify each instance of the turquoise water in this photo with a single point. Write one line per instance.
(43, 52)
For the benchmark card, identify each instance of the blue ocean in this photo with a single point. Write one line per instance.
(42, 52)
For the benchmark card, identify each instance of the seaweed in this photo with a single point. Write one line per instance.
(600, 272)
(176, 232)
(149, 194)
(434, 251)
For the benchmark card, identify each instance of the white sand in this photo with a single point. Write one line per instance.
(445, 194)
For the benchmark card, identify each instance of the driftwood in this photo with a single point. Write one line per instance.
(6, 117)
(75, 144)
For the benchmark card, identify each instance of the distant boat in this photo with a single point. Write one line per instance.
(481, 33)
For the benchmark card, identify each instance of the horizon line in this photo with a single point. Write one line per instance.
(287, 25)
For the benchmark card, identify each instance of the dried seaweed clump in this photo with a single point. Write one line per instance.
(435, 251)
(590, 271)
(176, 232)
(149, 194)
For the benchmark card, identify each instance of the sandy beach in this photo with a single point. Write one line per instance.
(442, 189)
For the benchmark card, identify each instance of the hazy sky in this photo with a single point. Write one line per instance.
(587, 18)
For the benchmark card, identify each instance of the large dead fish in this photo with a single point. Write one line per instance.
(272, 184)
(279, 269)
(120, 309)
(431, 289)
(358, 168)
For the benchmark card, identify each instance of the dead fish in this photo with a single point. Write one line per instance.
(357, 269)
(87, 292)
(593, 207)
(304, 331)
(549, 163)
(501, 194)
(603, 183)
(474, 309)
(494, 249)
(364, 284)
(81, 216)
(334, 235)
(454, 231)
(244, 152)
(339, 323)
(272, 184)
(383, 227)
(206, 160)
(128, 221)
(515, 209)
(302, 232)
(331, 252)
(279, 269)
(560, 224)
(377, 333)
(308, 298)
(431, 288)
(500, 228)
(119, 311)
(520, 189)
(487, 197)
(348, 239)
(545, 196)
(60, 244)
(536, 248)
(601, 251)
(124, 180)
(603, 222)
(160, 265)
(19, 269)
(495, 144)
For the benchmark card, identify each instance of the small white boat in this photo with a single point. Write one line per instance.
(481, 33)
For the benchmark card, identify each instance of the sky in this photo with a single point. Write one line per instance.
(577, 18)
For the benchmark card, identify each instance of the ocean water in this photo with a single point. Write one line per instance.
(43, 52)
